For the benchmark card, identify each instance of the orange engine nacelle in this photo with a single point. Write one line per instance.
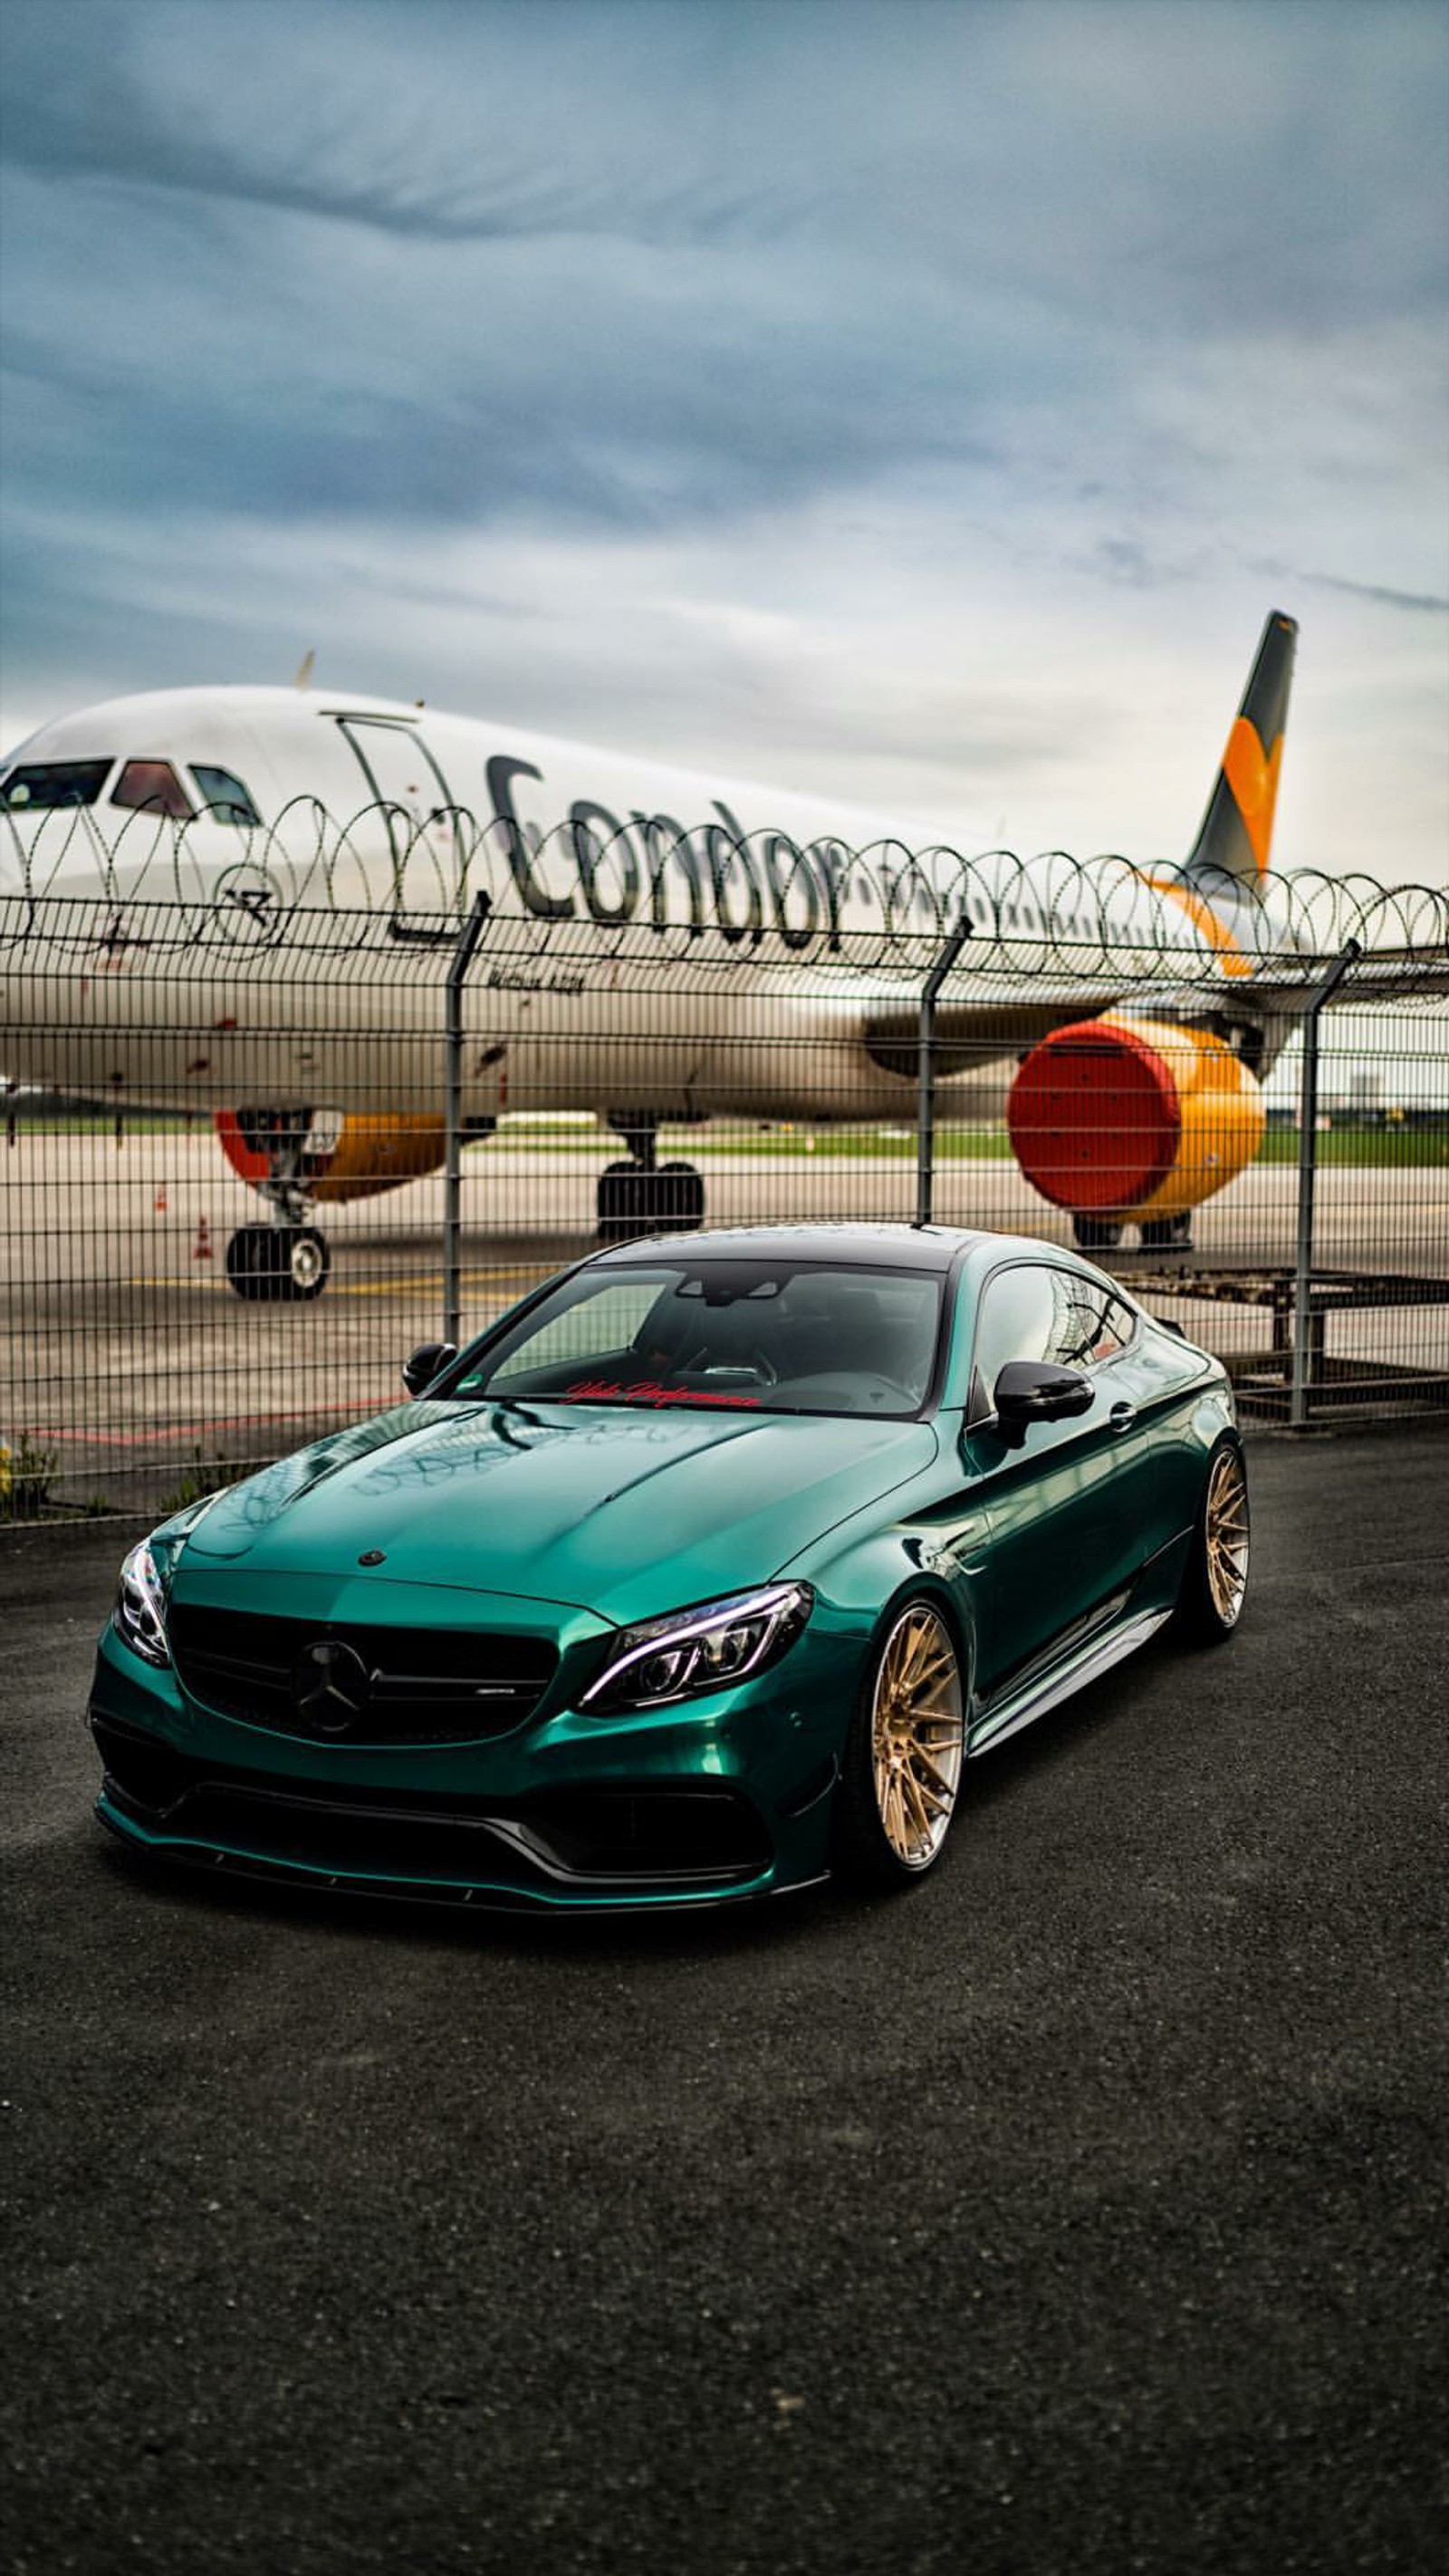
(351, 1156)
(1138, 1118)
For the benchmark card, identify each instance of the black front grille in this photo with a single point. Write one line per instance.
(423, 1685)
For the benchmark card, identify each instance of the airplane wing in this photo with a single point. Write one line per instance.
(971, 1032)
(1377, 975)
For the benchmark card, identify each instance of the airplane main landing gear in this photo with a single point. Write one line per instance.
(1168, 1234)
(1159, 1234)
(644, 1197)
(267, 1263)
(1095, 1233)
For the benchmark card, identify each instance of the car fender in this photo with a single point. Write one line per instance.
(1189, 1437)
(865, 1581)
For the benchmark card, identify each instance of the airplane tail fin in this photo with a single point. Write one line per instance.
(1237, 829)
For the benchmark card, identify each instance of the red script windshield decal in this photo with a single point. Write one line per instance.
(598, 1390)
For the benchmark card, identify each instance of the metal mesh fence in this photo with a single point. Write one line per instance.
(191, 1287)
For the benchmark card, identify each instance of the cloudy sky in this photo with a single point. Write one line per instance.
(921, 402)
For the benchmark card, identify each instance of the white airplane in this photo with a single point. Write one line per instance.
(638, 912)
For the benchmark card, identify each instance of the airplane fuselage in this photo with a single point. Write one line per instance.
(640, 912)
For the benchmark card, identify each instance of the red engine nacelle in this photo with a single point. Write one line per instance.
(1138, 1118)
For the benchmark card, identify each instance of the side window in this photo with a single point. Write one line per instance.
(152, 787)
(1116, 1330)
(1033, 1312)
(224, 796)
(1015, 1323)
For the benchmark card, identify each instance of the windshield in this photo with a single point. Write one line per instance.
(42, 785)
(751, 1336)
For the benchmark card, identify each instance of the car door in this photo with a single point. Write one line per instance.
(1070, 1510)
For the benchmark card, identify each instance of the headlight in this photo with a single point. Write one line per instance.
(140, 1612)
(706, 1649)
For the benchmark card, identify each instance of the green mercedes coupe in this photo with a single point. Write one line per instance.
(698, 1575)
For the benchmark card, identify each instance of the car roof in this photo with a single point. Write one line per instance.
(886, 1247)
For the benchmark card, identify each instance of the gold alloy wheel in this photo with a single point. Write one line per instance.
(917, 1736)
(1225, 1536)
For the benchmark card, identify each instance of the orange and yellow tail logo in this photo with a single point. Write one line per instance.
(1237, 829)
(1252, 774)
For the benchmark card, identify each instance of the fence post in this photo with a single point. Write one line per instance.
(462, 959)
(1321, 995)
(926, 1076)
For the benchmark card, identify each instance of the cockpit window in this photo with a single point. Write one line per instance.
(152, 787)
(39, 786)
(222, 793)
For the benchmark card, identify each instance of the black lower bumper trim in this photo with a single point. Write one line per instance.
(612, 1837)
(448, 1894)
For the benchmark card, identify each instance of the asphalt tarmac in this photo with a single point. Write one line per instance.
(1083, 2211)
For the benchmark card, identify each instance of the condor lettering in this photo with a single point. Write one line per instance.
(601, 866)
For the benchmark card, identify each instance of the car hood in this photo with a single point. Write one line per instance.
(621, 1512)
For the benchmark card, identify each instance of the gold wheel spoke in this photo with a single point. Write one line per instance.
(935, 1709)
(1227, 1536)
(918, 1738)
(933, 1804)
(917, 1647)
(938, 1669)
(917, 1791)
(923, 1762)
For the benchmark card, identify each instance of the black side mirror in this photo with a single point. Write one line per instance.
(422, 1365)
(1030, 1391)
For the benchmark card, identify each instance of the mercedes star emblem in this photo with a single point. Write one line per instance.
(330, 1686)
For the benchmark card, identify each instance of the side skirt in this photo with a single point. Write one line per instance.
(1087, 1665)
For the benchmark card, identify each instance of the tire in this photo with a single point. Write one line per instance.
(619, 1204)
(678, 1198)
(1215, 1578)
(246, 1253)
(1167, 1234)
(890, 1825)
(1095, 1233)
(635, 1199)
(266, 1264)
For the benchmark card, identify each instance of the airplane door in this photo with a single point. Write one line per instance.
(404, 780)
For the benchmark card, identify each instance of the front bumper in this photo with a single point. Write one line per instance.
(713, 1801)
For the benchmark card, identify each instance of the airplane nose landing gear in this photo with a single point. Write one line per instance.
(265, 1263)
(645, 1197)
(288, 1260)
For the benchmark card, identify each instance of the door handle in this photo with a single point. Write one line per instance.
(1122, 1417)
